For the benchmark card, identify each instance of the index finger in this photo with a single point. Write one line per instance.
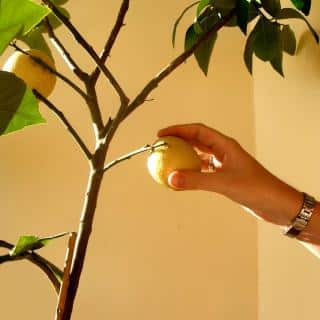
(199, 134)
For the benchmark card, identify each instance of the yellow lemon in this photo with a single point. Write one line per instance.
(35, 75)
(176, 154)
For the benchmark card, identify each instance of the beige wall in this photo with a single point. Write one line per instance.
(287, 134)
(154, 254)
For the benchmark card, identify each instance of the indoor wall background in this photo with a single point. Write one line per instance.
(154, 254)
(287, 135)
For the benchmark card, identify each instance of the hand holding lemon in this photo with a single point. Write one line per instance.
(175, 154)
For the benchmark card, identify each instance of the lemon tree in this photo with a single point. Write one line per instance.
(29, 77)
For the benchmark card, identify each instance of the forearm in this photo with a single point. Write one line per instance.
(285, 203)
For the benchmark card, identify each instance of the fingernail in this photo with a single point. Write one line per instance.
(176, 179)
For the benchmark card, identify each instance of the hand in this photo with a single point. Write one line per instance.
(238, 175)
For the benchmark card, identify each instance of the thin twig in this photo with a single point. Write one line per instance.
(112, 38)
(65, 53)
(81, 40)
(50, 69)
(40, 262)
(128, 156)
(65, 121)
(66, 276)
(142, 96)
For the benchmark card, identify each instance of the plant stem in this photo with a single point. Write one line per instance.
(46, 266)
(65, 53)
(65, 121)
(83, 42)
(103, 142)
(66, 276)
(112, 38)
(58, 74)
(132, 154)
(151, 85)
(94, 109)
(85, 228)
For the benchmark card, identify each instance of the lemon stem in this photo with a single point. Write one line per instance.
(128, 156)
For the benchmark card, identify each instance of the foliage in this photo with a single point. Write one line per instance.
(268, 39)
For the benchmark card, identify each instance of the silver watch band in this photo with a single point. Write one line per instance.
(300, 222)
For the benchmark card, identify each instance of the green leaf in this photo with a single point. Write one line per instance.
(202, 5)
(6, 35)
(225, 4)
(204, 51)
(289, 13)
(276, 63)
(18, 105)
(277, 60)
(175, 26)
(206, 21)
(288, 38)
(59, 2)
(27, 243)
(302, 5)
(35, 40)
(54, 20)
(24, 244)
(249, 49)
(267, 39)
(271, 6)
(18, 15)
(242, 12)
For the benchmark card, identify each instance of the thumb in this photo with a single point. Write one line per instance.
(193, 180)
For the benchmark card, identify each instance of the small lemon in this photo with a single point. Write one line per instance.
(176, 154)
(34, 75)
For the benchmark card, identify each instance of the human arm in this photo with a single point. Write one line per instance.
(241, 178)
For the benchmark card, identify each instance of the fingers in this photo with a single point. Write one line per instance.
(192, 180)
(203, 137)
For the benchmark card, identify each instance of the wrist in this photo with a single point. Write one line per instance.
(282, 203)
(311, 232)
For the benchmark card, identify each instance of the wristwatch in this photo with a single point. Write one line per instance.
(300, 222)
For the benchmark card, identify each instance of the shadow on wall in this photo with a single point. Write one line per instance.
(309, 52)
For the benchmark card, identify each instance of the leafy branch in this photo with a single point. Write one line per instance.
(53, 273)
(173, 65)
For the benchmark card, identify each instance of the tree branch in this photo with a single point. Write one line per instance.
(65, 53)
(132, 154)
(112, 38)
(47, 267)
(65, 121)
(95, 111)
(80, 39)
(142, 96)
(58, 74)
(66, 276)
